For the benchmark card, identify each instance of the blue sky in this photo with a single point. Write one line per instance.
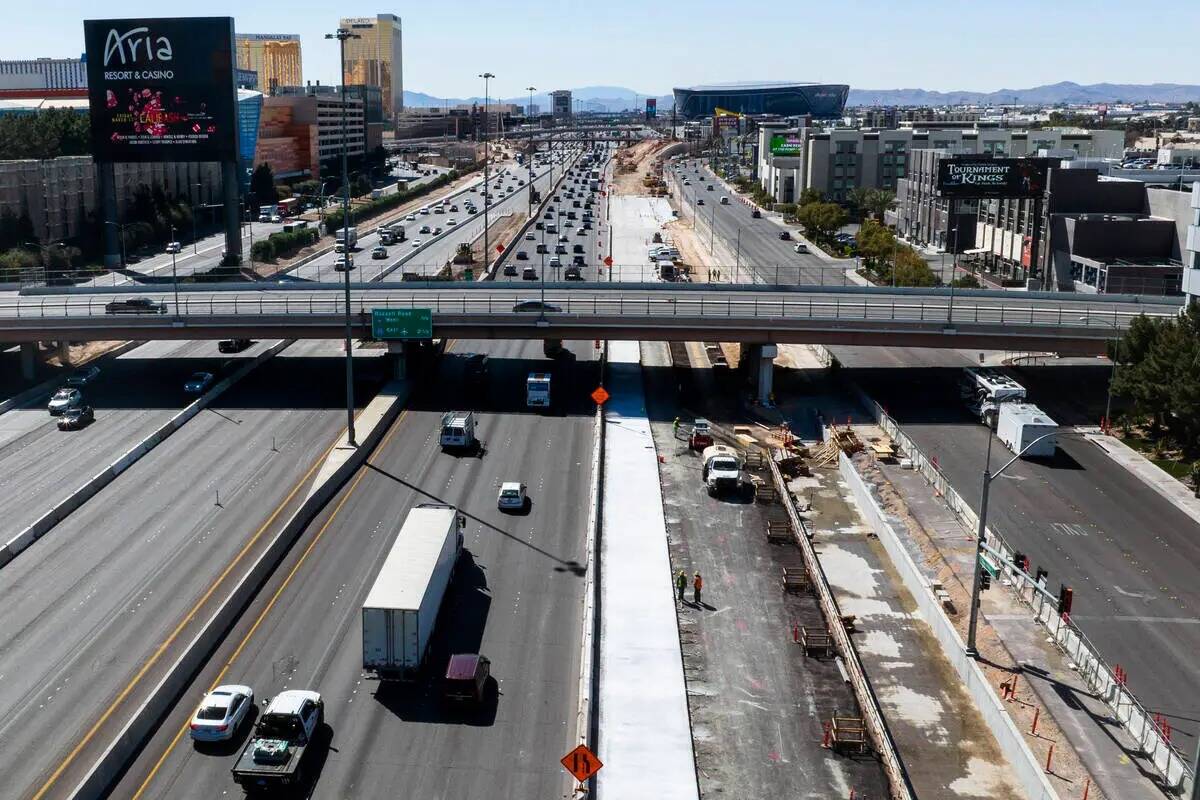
(651, 46)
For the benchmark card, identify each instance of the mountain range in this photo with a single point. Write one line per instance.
(618, 98)
(1050, 94)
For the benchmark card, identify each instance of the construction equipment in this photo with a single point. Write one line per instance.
(816, 642)
(796, 580)
(849, 735)
(779, 532)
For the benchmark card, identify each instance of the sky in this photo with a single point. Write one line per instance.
(650, 47)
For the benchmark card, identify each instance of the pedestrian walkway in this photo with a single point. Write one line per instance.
(645, 738)
(1011, 640)
(1147, 472)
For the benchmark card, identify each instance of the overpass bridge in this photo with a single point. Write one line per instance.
(754, 315)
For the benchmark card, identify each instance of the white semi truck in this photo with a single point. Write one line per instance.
(401, 609)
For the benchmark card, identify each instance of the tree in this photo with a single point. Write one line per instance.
(912, 270)
(857, 198)
(821, 220)
(965, 282)
(360, 186)
(878, 202)
(262, 185)
(810, 195)
(875, 242)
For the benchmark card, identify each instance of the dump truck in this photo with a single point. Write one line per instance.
(276, 755)
(400, 611)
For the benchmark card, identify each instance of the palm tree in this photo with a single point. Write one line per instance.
(859, 199)
(878, 202)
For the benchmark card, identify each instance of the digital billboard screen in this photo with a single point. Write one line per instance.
(162, 89)
(786, 145)
(651, 107)
(992, 177)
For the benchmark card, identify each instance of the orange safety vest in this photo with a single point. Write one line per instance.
(698, 583)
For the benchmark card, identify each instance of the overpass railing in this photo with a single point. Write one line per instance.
(856, 308)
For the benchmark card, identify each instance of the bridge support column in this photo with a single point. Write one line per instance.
(399, 355)
(761, 360)
(29, 352)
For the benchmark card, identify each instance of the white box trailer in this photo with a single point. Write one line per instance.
(1020, 424)
(400, 612)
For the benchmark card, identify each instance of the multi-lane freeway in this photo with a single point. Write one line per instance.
(516, 598)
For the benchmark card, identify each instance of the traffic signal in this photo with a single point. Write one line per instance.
(985, 581)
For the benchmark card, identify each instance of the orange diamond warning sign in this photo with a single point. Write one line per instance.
(582, 762)
(600, 395)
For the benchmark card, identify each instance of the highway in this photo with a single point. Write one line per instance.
(433, 252)
(516, 598)
(40, 465)
(87, 604)
(1126, 551)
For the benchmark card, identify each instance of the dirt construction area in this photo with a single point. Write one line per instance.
(632, 164)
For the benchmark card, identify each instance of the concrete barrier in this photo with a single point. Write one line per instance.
(142, 723)
(586, 721)
(1026, 768)
(82, 494)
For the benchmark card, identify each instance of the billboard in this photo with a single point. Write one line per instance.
(992, 177)
(162, 89)
(786, 144)
(651, 108)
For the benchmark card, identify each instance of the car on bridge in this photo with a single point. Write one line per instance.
(233, 345)
(535, 306)
(135, 305)
(75, 418)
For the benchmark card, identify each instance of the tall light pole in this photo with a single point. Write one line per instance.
(342, 35)
(174, 274)
(487, 187)
(196, 186)
(529, 156)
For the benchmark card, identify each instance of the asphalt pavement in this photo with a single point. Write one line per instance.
(132, 396)
(516, 598)
(88, 604)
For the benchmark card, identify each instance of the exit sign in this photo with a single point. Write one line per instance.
(401, 323)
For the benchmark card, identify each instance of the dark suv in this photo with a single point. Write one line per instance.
(467, 678)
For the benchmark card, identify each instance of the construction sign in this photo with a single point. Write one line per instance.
(601, 395)
(582, 762)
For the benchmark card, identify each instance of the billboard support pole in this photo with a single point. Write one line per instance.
(108, 212)
(233, 225)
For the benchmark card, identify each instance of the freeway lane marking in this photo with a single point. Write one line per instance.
(362, 472)
(162, 648)
(275, 597)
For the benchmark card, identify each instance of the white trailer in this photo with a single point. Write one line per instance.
(1020, 424)
(400, 612)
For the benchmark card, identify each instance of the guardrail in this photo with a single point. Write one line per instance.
(1171, 765)
(881, 739)
(1101, 324)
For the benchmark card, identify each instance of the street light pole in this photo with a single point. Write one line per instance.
(195, 248)
(529, 156)
(342, 35)
(980, 532)
(174, 274)
(487, 187)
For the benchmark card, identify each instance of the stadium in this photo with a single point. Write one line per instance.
(787, 99)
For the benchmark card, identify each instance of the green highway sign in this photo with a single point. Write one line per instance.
(401, 323)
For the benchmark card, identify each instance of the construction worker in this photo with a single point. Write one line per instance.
(681, 583)
(697, 585)
(675, 428)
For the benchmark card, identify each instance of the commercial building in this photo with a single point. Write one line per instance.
(784, 99)
(914, 118)
(377, 59)
(837, 160)
(44, 73)
(274, 56)
(301, 127)
(1094, 234)
(560, 101)
(434, 121)
(1191, 249)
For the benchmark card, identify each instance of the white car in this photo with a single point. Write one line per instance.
(512, 496)
(417, 243)
(221, 713)
(452, 221)
(411, 218)
(64, 399)
(174, 247)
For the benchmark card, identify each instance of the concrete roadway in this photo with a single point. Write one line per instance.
(516, 598)
(86, 605)
(1128, 554)
(134, 394)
